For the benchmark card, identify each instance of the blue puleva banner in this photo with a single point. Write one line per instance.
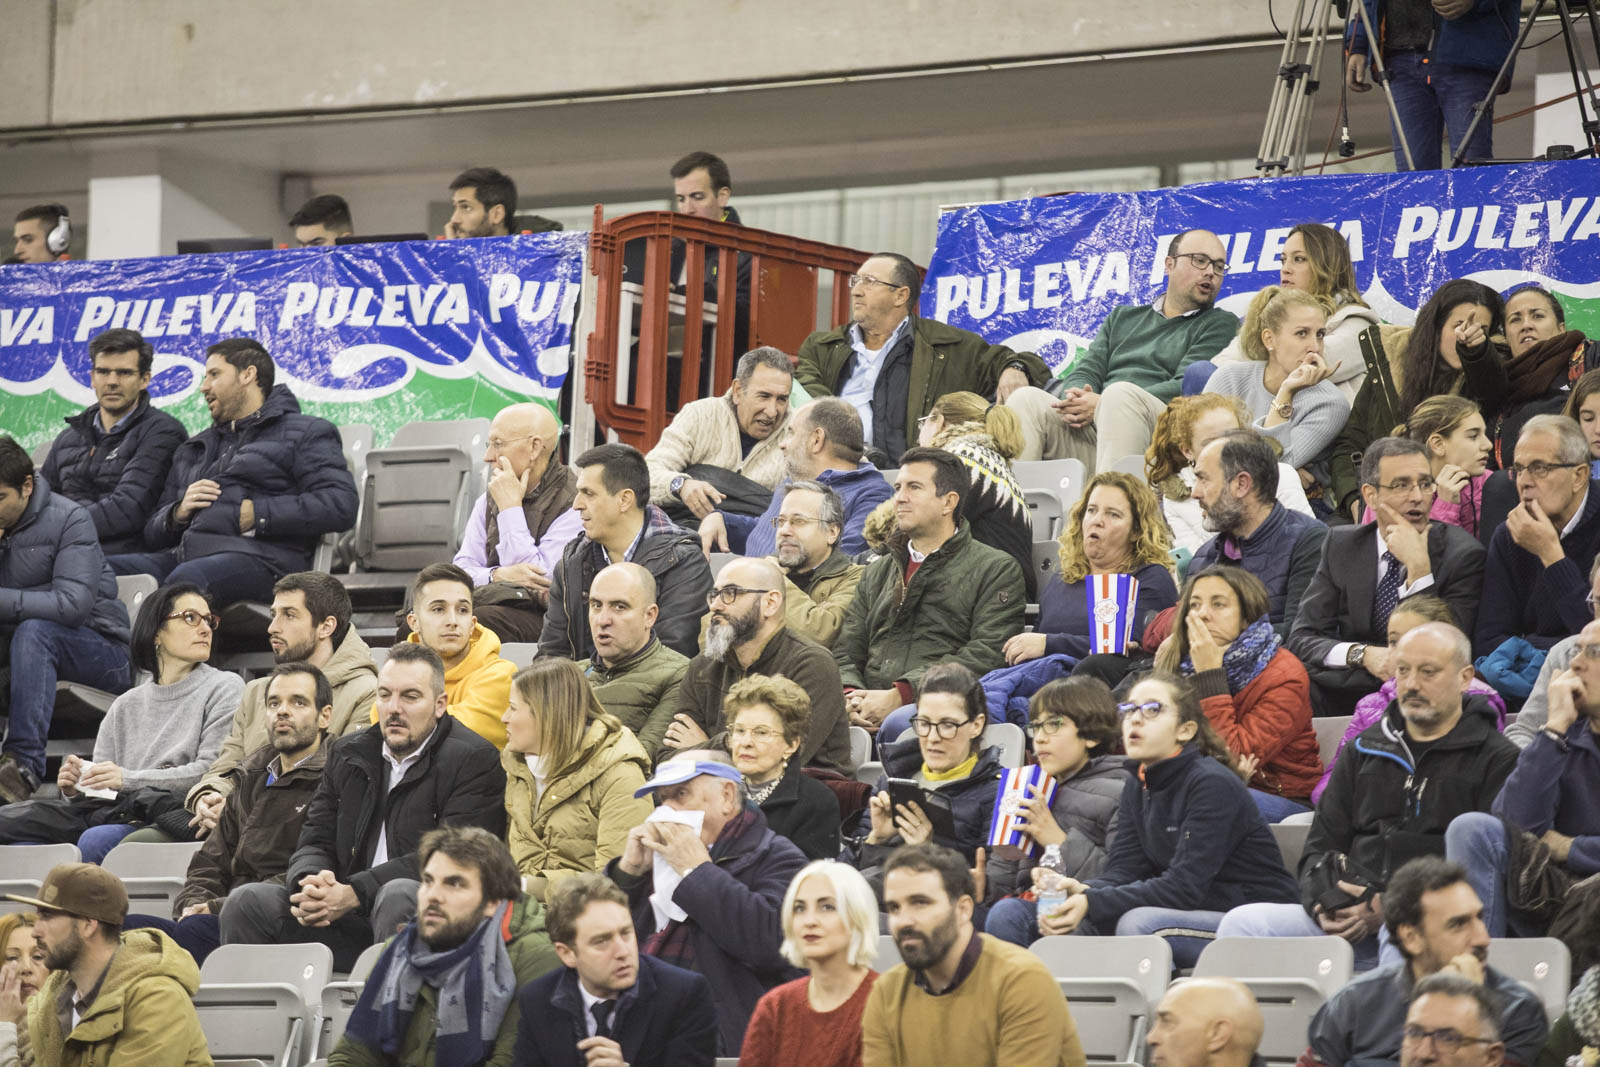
(381, 334)
(1042, 274)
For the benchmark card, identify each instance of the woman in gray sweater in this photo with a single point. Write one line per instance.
(158, 737)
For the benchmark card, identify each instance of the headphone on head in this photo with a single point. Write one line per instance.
(60, 237)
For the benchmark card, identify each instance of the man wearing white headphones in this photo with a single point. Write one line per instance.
(42, 234)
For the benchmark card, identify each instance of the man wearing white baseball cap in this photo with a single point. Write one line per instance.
(706, 861)
(111, 996)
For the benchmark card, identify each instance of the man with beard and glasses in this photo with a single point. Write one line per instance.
(749, 634)
(1434, 755)
(353, 877)
(819, 580)
(444, 990)
(959, 996)
(247, 498)
(634, 676)
(113, 456)
(822, 444)
(311, 625)
(1436, 921)
(111, 997)
(609, 1004)
(722, 451)
(705, 878)
(1236, 486)
(261, 819)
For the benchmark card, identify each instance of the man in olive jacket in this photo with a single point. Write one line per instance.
(938, 595)
(634, 676)
(891, 364)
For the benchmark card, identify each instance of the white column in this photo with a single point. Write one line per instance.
(142, 203)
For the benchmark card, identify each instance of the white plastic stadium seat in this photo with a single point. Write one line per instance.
(860, 746)
(1291, 838)
(1543, 964)
(1291, 978)
(263, 1002)
(339, 998)
(1113, 985)
(23, 867)
(888, 953)
(152, 872)
(1330, 731)
(521, 653)
(1064, 477)
(1012, 741)
(869, 773)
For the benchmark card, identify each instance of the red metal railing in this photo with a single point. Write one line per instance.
(785, 277)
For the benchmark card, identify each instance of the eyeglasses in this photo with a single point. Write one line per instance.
(928, 418)
(1405, 485)
(945, 728)
(867, 279)
(1201, 261)
(1538, 468)
(728, 594)
(1588, 652)
(763, 734)
(797, 523)
(1044, 727)
(1445, 1039)
(194, 618)
(1144, 712)
(497, 444)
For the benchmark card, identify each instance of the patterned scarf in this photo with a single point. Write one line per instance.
(474, 984)
(1247, 656)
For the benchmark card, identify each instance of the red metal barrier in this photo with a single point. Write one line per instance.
(784, 274)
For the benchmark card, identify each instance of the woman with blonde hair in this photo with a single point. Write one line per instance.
(986, 438)
(1316, 261)
(1187, 425)
(571, 771)
(1284, 381)
(830, 928)
(21, 975)
(1452, 430)
(1115, 528)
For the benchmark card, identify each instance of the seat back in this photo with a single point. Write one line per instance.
(469, 435)
(1064, 477)
(414, 503)
(1291, 978)
(1291, 838)
(23, 867)
(869, 773)
(153, 873)
(1011, 741)
(1330, 731)
(1113, 985)
(339, 998)
(1133, 465)
(888, 954)
(132, 589)
(249, 989)
(860, 746)
(1044, 507)
(1046, 560)
(719, 560)
(521, 653)
(357, 440)
(1543, 964)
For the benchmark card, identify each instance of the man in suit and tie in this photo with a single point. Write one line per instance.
(1341, 632)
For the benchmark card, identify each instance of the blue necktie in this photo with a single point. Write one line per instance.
(1394, 577)
(601, 1010)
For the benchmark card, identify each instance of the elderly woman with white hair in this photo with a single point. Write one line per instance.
(830, 928)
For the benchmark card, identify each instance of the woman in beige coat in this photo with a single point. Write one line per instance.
(571, 769)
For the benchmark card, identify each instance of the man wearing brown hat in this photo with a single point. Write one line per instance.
(111, 996)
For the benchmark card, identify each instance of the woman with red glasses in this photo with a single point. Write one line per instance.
(154, 743)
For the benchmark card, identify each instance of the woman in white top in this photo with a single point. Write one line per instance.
(1187, 425)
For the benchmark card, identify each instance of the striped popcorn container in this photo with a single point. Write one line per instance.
(1111, 600)
(1014, 786)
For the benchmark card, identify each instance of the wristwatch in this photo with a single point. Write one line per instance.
(1356, 654)
(676, 485)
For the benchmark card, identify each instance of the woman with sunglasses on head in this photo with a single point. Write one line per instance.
(943, 753)
(1073, 725)
(154, 743)
(1252, 689)
(1448, 350)
(1189, 843)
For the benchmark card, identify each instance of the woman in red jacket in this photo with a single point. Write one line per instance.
(1254, 691)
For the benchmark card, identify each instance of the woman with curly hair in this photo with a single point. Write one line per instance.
(1448, 350)
(1252, 689)
(986, 438)
(1114, 528)
(1316, 261)
(1188, 425)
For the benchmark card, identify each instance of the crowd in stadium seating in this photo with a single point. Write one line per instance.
(655, 843)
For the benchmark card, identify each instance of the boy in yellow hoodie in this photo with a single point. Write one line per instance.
(477, 678)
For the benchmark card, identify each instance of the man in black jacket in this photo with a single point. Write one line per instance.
(1435, 754)
(59, 613)
(353, 878)
(113, 456)
(1341, 631)
(609, 1000)
(247, 498)
(619, 524)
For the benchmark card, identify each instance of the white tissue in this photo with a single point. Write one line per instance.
(665, 875)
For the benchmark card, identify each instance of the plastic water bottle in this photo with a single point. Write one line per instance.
(1050, 888)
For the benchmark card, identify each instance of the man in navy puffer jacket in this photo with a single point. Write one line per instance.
(60, 618)
(247, 498)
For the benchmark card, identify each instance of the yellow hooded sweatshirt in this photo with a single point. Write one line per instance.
(478, 689)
